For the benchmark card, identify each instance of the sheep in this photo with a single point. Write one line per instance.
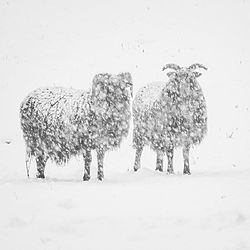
(171, 114)
(59, 123)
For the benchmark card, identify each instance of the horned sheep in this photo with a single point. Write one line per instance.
(170, 114)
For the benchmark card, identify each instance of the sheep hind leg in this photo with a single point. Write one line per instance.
(28, 162)
(100, 159)
(186, 149)
(170, 155)
(159, 161)
(138, 154)
(87, 161)
(40, 163)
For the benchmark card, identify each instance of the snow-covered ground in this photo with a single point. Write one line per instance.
(143, 210)
(62, 43)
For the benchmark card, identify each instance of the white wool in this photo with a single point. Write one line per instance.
(147, 95)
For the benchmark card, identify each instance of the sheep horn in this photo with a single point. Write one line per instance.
(171, 66)
(195, 65)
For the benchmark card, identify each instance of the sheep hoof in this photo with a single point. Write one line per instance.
(170, 171)
(159, 169)
(86, 178)
(136, 169)
(100, 178)
(40, 175)
(187, 172)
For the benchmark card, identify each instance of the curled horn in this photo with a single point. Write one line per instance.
(171, 66)
(197, 65)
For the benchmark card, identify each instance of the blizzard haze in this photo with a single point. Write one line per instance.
(65, 43)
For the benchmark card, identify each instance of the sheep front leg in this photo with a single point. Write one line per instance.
(186, 159)
(170, 155)
(159, 161)
(28, 162)
(100, 159)
(40, 163)
(137, 163)
(87, 161)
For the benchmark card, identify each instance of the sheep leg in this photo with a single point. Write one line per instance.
(137, 163)
(40, 163)
(159, 161)
(87, 161)
(28, 162)
(170, 155)
(100, 159)
(186, 159)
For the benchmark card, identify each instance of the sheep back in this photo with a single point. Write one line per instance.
(56, 122)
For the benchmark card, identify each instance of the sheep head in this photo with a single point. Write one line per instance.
(183, 79)
(111, 90)
(107, 84)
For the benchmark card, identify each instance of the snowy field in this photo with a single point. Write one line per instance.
(62, 43)
(143, 210)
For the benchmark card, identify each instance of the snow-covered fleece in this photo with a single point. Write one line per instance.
(59, 123)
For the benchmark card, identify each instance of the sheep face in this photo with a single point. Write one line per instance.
(110, 102)
(170, 114)
(185, 79)
(111, 88)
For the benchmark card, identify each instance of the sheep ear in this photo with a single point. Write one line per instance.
(171, 74)
(197, 74)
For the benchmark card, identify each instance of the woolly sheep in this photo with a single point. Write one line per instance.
(59, 123)
(170, 114)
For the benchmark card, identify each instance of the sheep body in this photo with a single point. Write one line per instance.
(59, 123)
(53, 120)
(167, 115)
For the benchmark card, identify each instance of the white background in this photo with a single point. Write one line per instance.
(65, 43)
